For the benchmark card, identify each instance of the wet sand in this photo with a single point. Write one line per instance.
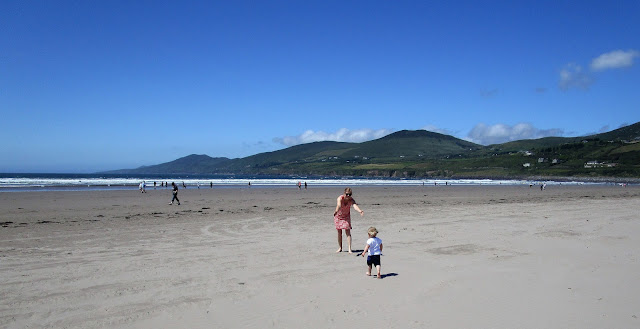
(454, 257)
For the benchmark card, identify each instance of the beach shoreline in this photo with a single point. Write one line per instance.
(454, 256)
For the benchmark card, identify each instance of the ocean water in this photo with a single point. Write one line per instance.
(81, 182)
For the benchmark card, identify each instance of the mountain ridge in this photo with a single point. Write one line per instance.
(422, 153)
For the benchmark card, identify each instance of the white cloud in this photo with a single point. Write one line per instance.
(342, 135)
(501, 133)
(614, 60)
(604, 129)
(435, 129)
(480, 134)
(572, 76)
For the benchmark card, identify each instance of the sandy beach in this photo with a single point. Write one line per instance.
(454, 257)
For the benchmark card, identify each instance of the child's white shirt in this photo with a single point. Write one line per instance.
(374, 246)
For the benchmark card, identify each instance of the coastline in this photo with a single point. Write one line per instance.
(92, 182)
(455, 256)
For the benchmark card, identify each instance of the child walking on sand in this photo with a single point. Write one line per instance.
(374, 247)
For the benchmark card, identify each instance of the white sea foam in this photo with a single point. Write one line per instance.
(21, 183)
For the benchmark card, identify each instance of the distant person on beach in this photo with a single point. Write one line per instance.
(342, 216)
(374, 250)
(142, 187)
(183, 185)
(175, 193)
(305, 185)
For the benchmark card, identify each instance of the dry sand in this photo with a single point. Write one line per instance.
(454, 257)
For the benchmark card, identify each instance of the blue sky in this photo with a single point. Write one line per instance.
(87, 86)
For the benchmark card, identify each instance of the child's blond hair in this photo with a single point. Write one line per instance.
(372, 231)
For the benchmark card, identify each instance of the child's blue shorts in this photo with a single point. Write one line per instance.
(373, 260)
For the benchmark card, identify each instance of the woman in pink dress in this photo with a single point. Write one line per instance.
(342, 216)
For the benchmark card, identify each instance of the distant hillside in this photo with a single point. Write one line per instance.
(190, 164)
(613, 154)
(423, 153)
(628, 133)
(328, 157)
(310, 152)
(418, 143)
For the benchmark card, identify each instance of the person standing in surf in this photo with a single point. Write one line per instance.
(175, 193)
(342, 216)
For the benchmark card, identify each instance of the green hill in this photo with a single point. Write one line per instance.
(611, 154)
(413, 144)
(311, 152)
(190, 164)
(423, 153)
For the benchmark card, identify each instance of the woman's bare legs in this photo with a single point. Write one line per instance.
(340, 240)
(348, 233)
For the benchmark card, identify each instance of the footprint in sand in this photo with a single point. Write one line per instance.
(207, 229)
